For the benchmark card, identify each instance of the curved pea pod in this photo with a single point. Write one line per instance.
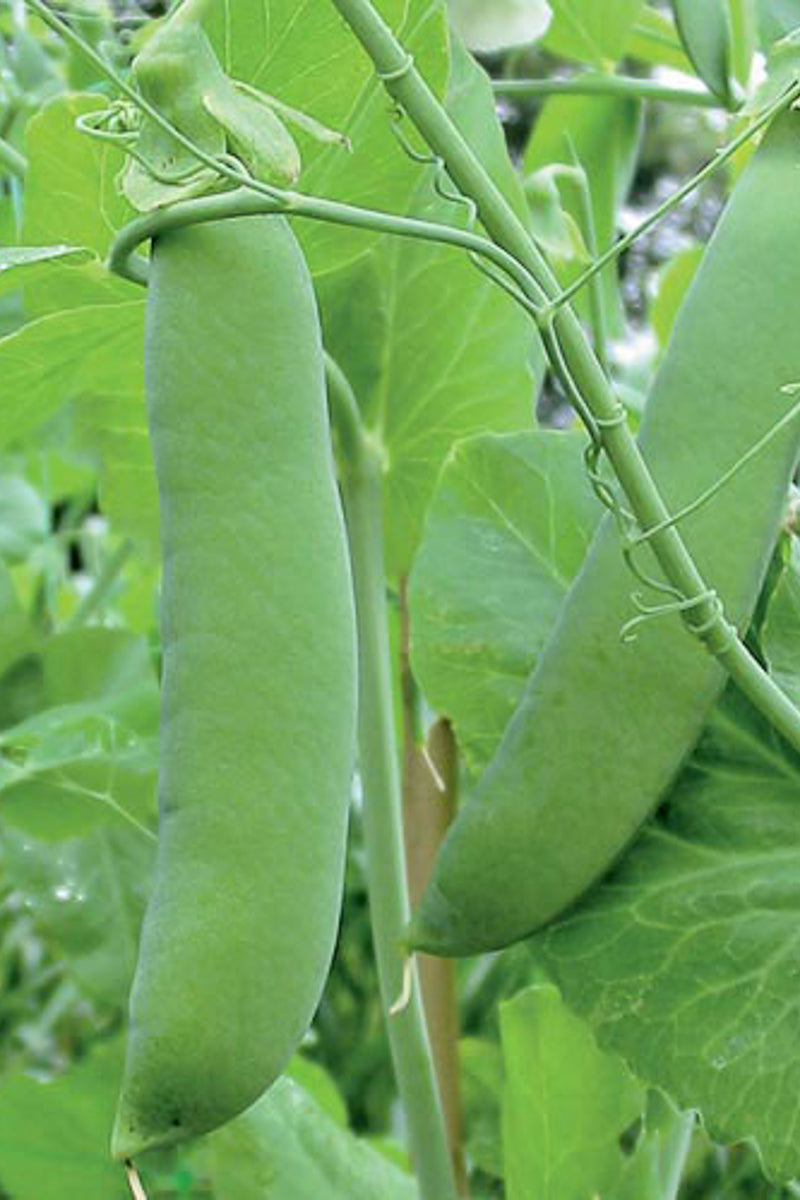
(705, 30)
(603, 727)
(258, 715)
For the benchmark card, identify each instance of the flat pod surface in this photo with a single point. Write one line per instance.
(259, 682)
(603, 727)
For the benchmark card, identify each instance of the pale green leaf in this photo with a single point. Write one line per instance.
(506, 534)
(685, 959)
(54, 1136)
(591, 31)
(287, 1148)
(566, 1103)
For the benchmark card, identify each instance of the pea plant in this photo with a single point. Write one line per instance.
(399, 682)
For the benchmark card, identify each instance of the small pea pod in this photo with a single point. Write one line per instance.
(259, 688)
(705, 30)
(603, 727)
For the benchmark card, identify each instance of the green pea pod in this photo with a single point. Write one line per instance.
(603, 727)
(705, 30)
(259, 686)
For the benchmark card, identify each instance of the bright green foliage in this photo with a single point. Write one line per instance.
(258, 706)
(603, 727)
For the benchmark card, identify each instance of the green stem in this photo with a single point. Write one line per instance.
(362, 488)
(10, 158)
(123, 261)
(97, 596)
(409, 90)
(622, 86)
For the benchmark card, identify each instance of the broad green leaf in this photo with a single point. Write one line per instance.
(304, 54)
(654, 39)
(22, 264)
(780, 635)
(459, 351)
(71, 197)
(491, 25)
(320, 1086)
(566, 1104)
(673, 283)
(52, 360)
(286, 1147)
(505, 535)
(87, 898)
(54, 1136)
(602, 134)
(88, 757)
(591, 31)
(685, 958)
(24, 518)
(115, 428)
(705, 31)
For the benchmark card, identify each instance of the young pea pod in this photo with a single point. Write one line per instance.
(603, 727)
(259, 682)
(706, 32)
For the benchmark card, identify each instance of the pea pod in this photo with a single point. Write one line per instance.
(705, 30)
(603, 727)
(259, 689)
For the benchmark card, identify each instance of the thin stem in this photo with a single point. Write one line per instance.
(623, 86)
(94, 599)
(11, 158)
(123, 261)
(409, 90)
(675, 199)
(362, 489)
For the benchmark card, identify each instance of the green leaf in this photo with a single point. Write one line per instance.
(289, 1149)
(51, 360)
(115, 428)
(591, 31)
(492, 25)
(304, 54)
(705, 31)
(81, 172)
(459, 351)
(24, 518)
(22, 264)
(566, 1103)
(87, 897)
(54, 1137)
(685, 959)
(505, 535)
(780, 635)
(654, 39)
(88, 757)
(602, 134)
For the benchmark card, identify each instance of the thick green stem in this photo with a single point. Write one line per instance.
(580, 366)
(621, 86)
(10, 158)
(362, 489)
